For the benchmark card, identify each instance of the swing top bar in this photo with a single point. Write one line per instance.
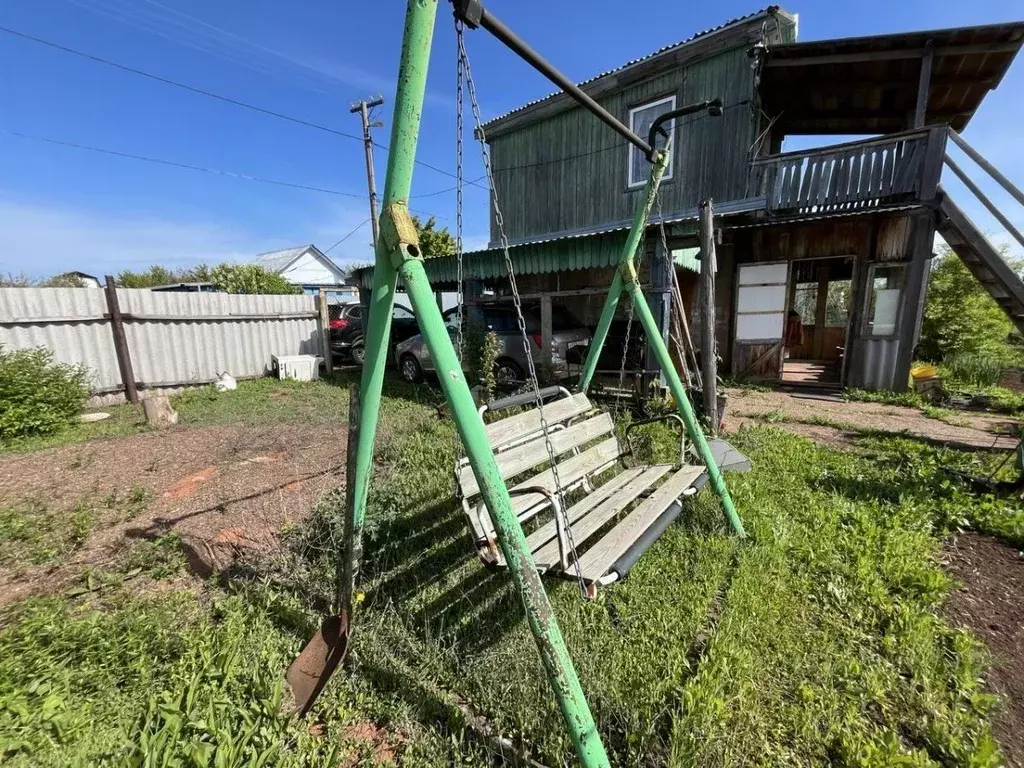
(473, 13)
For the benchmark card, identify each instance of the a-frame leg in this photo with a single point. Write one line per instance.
(398, 254)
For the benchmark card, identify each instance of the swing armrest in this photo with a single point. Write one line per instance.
(523, 398)
(654, 420)
(560, 521)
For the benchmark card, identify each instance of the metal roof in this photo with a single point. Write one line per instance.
(278, 261)
(671, 48)
(558, 252)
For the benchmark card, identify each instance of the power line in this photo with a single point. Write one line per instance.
(211, 94)
(359, 226)
(175, 164)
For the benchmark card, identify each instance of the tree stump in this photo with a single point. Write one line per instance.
(159, 412)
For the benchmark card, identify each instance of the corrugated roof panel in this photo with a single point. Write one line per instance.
(664, 49)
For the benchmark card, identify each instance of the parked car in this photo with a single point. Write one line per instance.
(346, 336)
(569, 342)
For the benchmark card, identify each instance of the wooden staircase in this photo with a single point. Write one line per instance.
(982, 259)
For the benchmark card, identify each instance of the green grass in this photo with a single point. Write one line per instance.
(31, 533)
(820, 640)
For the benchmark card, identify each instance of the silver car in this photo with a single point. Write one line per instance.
(569, 342)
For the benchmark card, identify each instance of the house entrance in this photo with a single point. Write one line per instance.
(816, 324)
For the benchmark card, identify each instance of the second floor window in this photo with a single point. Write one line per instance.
(640, 119)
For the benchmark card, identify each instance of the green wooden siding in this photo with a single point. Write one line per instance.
(569, 171)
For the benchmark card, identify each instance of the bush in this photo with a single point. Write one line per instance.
(37, 395)
(249, 278)
(973, 370)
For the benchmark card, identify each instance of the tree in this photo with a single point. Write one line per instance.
(434, 241)
(249, 278)
(961, 318)
(158, 275)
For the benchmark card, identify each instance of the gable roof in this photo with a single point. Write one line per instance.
(279, 261)
(593, 85)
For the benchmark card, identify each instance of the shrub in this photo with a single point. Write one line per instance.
(249, 278)
(973, 370)
(480, 351)
(37, 395)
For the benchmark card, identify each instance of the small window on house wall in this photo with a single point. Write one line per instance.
(885, 289)
(640, 119)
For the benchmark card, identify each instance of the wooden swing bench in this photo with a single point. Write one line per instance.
(607, 539)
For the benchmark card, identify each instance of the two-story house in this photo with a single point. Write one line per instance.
(840, 235)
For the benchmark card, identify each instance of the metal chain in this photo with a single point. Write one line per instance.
(517, 302)
(460, 289)
(625, 353)
(679, 344)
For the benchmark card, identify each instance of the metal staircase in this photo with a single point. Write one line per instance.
(970, 244)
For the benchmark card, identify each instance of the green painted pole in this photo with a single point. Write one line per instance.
(626, 280)
(626, 271)
(398, 251)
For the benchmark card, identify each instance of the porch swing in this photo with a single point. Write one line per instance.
(563, 444)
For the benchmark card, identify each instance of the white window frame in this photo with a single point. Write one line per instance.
(671, 100)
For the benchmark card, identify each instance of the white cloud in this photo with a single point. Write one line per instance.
(42, 240)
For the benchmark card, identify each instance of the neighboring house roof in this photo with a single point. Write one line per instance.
(666, 51)
(280, 261)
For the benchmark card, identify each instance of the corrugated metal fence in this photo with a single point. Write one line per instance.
(173, 338)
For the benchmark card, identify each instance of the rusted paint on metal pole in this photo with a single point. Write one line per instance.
(398, 251)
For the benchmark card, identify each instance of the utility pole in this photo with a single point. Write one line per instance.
(363, 107)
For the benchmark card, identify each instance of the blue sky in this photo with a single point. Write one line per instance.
(63, 208)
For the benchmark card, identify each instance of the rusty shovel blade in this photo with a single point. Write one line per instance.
(313, 667)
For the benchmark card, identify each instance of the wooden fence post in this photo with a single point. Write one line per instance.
(124, 358)
(324, 321)
(708, 349)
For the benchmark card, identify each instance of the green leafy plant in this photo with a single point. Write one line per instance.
(480, 352)
(972, 370)
(37, 395)
(249, 278)
(158, 275)
(434, 240)
(961, 318)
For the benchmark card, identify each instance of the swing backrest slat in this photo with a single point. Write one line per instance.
(525, 425)
(525, 456)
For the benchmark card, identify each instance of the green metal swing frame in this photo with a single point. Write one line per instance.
(397, 257)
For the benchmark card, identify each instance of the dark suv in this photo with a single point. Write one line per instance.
(347, 329)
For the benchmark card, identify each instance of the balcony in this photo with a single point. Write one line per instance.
(884, 172)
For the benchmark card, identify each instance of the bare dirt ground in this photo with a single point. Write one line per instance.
(991, 577)
(837, 421)
(232, 485)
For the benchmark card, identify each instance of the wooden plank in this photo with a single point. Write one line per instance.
(571, 470)
(796, 174)
(546, 532)
(124, 356)
(524, 457)
(888, 175)
(875, 183)
(815, 171)
(598, 559)
(524, 424)
(586, 524)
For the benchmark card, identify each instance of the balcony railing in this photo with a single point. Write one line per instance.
(889, 170)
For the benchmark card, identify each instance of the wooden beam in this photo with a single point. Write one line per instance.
(992, 207)
(992, 171)
(708, 347)
(124, 357)
(891, 55)
(324, 321)
(924, 84)
(545, 333)
(912, 300)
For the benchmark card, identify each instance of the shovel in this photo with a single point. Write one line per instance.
(315, 664)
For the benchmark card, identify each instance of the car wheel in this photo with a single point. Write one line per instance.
(409, 368)
(507, 373)
(358, 352)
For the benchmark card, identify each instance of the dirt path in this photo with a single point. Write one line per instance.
(837, 419)
(988, 601)
(245, 483)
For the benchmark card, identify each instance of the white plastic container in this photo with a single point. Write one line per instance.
(298, 367)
